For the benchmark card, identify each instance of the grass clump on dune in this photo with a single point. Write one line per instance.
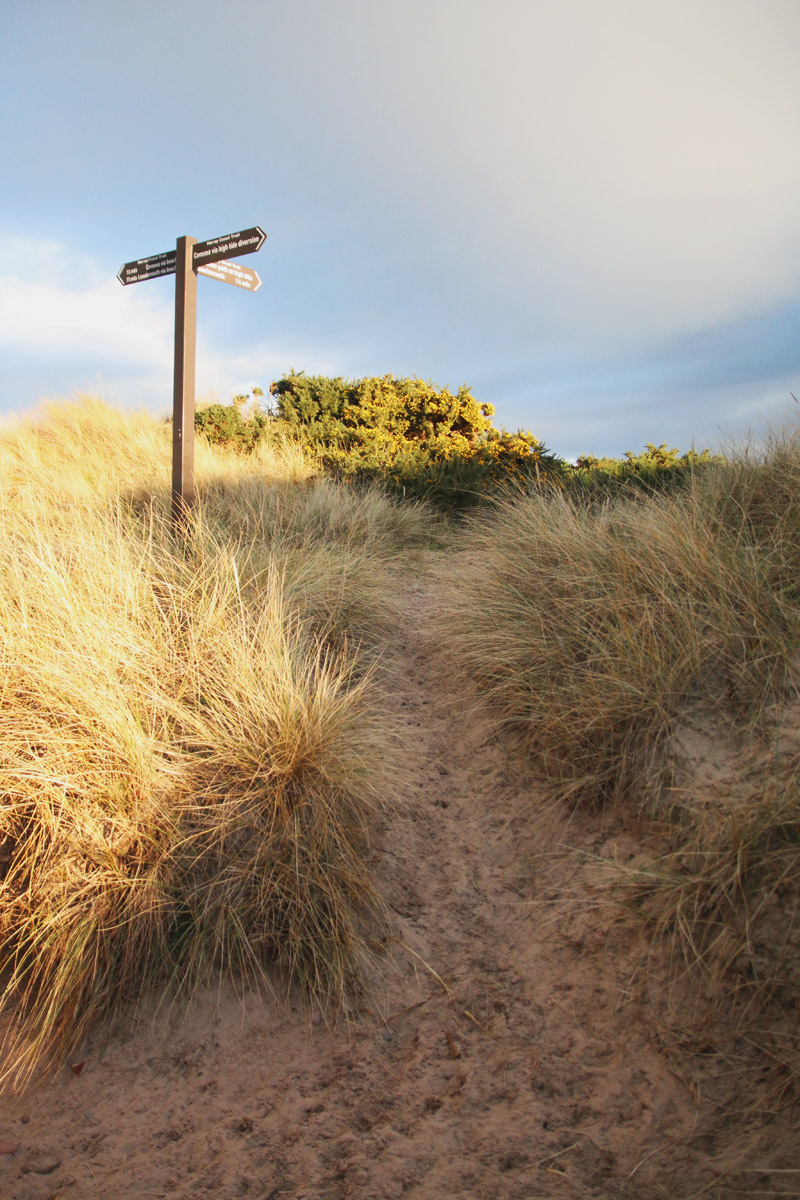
(593, 628)
(630, 643)
(189, 747)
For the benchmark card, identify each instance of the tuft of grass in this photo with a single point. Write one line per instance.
(592, 629)
(608, 635)
(335, 540)
(191, 746)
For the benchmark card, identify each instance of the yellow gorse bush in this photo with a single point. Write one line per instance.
(410, 433)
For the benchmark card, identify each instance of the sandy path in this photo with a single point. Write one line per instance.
(506, 1055)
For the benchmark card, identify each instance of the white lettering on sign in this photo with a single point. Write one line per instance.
(233, 273)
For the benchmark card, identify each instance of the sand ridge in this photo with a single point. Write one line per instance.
(507, 1048)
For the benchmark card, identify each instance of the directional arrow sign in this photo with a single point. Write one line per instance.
(245, 242)
(148, 268)
(231, 272)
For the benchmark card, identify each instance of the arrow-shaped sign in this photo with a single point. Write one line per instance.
(148, 268)
(231, 272)
(245, 242)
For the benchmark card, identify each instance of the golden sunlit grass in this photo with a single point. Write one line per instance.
(191, 735)
(189, 747)
(646, 650)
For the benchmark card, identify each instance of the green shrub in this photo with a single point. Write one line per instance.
(655, 469)
(224, 425)
(418, 438)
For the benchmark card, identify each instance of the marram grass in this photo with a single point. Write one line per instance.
(646, 650)
(592, 630)
(190, 754)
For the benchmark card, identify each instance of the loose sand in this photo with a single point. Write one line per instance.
(512, 1044)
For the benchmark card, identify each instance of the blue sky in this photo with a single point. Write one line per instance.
(586, 210)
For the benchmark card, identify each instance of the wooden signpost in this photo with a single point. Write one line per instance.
(185, 262)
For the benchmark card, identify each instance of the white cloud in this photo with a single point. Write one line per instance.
(228, 374)
(64, 326)
(54, 303)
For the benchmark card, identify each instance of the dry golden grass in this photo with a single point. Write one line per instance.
(189, 747)
(647, 650)
(592, 629)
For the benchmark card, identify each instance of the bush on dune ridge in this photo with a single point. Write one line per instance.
(654, 470)
(616, 636)
(419, 440)
(189, 746)
(414, 438)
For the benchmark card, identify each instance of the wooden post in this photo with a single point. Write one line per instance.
(184, 386)
(182, 261)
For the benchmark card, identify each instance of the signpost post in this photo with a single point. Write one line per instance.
(183, 391)
(185, 262)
